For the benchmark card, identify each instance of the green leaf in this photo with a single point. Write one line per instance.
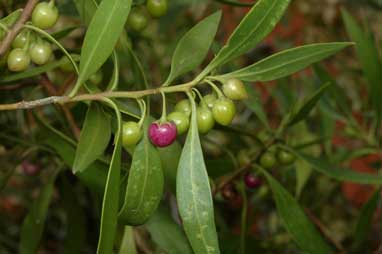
(76, 220)
(296, 222)
(303, 111)
(86, 9)
(11, 18)
(255, 26)
(110, 203)
(33, 224)
(166, 233)
(303, 173)
(145, 184)
(102, 35)
(348, 175)
(128, 242)
(64, 32)
(287, 62)
(370, 62)
(95, 136)
(194, 194)
(365, 220)
(193, 47)
(254, 104)
(170, 156)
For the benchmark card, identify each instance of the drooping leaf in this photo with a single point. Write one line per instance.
(370, 62)
(102, 35)
(95, 136)
(34, 222)
(254, 104)
(193, 47)
(110, 203)
(324, 167)
(170, 159)
(145, 184)
(86, 9)
(254, 27)
(365, 220)
(303, 111)
(76, 226)
(166, 233)
(303, 172)
(128, 241)
(287, 62)
(296, 222)
(194, 194)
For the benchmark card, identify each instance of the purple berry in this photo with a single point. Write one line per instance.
(162, 134)
(30, 169)
(252, 181)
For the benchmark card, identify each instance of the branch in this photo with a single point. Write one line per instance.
(17, 26)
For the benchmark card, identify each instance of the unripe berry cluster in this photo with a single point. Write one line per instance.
(138, 20)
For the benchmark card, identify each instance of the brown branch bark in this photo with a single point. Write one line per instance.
(52, 91)
(17, 26)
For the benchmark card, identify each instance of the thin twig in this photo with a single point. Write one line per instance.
(17, 26)
(52, 91)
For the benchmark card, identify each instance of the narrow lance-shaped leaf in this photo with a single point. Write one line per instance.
(287, 62)
(194, 194)
(95, 136)
(110, 202)
(102, 35)
(167, 234)
(303, 111)
(34, 222)
(145, 184)
(86, 9)
(365, 220)
(368, 56)
(254, 104)
(296, 222)
(325, 167)
(193, 47)
(128, 242)
(254, 27)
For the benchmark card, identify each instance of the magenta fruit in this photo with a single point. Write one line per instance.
(29, 168)
(252, 181)
(162, 134)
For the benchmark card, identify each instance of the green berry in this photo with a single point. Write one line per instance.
(157, 8)
(18, 60)
(40, 52)
(44, 15)
(183, 106)
(267, 160)
(285, 157)
(235, 89)
(243, 157)
(181, 121)
(96, 78)
(224, 111)
(205, 119)
(210, 99)
(131, 133)
(21, 40)
(137, 20)
(67, 65)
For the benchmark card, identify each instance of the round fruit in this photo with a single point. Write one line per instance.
(18, 60)
(252, 181)
(183, 106)
(229, 192)
(285, 158)
(44, 15)
(224, 111)
(20, 41)
(162, 135)
(40, 53)
(96, 78)
(131, 133)
(267, 160)
(157, 8)
(137, 20)
(205, 120)
(29, 168)
(234, 89)
(243, 157)
(210, 99)
(67, 65)
(181, 121)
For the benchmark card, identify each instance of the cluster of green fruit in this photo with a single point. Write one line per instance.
(138, 19)
(212, 108)
(28, 46)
